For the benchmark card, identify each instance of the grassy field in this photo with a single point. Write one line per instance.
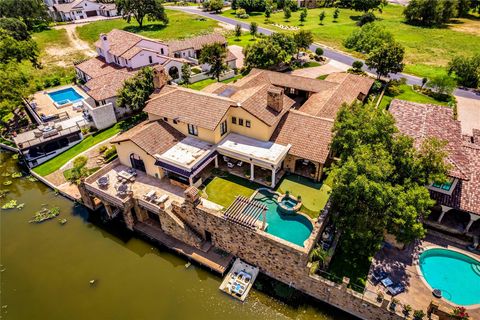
(223, 190)
(181, 25)
(409, 94)
(428, 50)
(314, 195)
(242, 41)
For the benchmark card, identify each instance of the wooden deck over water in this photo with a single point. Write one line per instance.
(208, 258)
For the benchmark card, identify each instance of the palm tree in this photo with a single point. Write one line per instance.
(317, 257)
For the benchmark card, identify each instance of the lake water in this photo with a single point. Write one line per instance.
(46, 269)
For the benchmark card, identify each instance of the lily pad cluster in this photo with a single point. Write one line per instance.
(45, 214)
(12, 204)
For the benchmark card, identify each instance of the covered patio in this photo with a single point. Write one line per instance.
(256, 160)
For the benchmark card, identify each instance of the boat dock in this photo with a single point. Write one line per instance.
(239, 280)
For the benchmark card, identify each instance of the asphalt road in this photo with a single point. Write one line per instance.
(327, 52)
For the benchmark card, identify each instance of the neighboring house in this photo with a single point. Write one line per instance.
(460, 195)
(121, 54)
(71, 10)
(271, 122)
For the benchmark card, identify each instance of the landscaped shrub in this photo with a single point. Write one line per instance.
(102, 149)
(366, 18)
(110, 154)
(241, 13)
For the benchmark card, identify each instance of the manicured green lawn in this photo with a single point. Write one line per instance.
(51, 37)
(314, 195)
(428, 50)
(56, 163)
(223, 190)
(409, 95)
(181, 25)
(242, 41)
(202, 84)
(356, 269)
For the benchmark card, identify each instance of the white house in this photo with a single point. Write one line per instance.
(71, 10)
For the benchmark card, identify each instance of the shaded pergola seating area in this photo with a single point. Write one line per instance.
(246, 212)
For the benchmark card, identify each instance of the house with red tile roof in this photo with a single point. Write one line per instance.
(71, 10)
(461, 193)
(257, 127)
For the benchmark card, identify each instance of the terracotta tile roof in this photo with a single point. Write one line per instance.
(326, 103)
(230, 56)
(309, 136)
(96, 67)
(195, 43)
(471, 189)
(120, 41)
(108, 85)
(153, 137)
(427, 120)
(190, 106)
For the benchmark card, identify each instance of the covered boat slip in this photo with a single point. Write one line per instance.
(264, 154)
(239, 280)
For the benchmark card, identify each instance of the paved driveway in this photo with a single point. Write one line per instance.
(468, 114)
(328, 52)
(315, 72)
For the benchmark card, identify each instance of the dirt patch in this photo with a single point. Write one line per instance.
(467, 26)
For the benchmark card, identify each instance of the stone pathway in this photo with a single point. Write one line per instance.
(468, 114)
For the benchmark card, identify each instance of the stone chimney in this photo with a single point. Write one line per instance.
(105, 46)
(275, 98)
(160, 77)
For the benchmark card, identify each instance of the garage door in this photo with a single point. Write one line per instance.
(91, 13)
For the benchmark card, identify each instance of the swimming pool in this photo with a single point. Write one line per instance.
(294, 228)
(64, 96)
(455, 274)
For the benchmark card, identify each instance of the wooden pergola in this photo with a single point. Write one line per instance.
(246, 212)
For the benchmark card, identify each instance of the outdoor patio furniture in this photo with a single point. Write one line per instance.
(226, 159)
(162, 198)
(230, 165)
(305, 162)
(378, 275)
(122, 189)
(387, 282)
(150, 194)
(103, 181)
(240, 163)
(132, 171)
(125, 174)
(395, 289)
(37, 133)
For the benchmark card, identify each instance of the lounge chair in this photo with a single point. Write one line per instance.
(240, 163)
(226, 159)
(475, 246)
(150, 194)
(387, 282)
(395, 289)
(230, 165)
(378, 275)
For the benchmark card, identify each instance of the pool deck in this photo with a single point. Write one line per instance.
(402, 268)
(45, 103)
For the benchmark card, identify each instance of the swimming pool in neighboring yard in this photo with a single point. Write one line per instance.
(294, 228)
(455, 274)
(65, 96)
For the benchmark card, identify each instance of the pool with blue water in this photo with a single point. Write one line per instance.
(64, 96)
(294, 228)
(455, 274)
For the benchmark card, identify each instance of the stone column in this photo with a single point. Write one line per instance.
(264, 219)
(273, 178)
(473, 218)
(216, 161)
(128, 218)
(108, 208)
(190, 181)
(252, 171)
(86, 198)
(445, 209)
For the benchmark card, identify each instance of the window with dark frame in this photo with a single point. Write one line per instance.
(247, 123)
(193, 130)
(150, 59)
(223, 128)
(240, 121)
(234, 120)
(165, 119)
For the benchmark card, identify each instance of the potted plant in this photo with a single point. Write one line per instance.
(379, 296)
(418, 315)
(406, 310)
(393, 304)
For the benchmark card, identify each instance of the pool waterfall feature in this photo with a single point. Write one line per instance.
(283, 219)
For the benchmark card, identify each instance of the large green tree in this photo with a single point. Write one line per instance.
(153, 10)
(379, 181)
(14, 84)
(368, 5)
(430, 12)
(31, 12)
(137, 90)
(214, 55)
(270, 52)
(15, 28)
(386, 59)
(12, 49)
(303, 39)
(466, 70)
(368, 37)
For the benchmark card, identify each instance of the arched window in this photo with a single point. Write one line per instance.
(137, 162)
(173, 72)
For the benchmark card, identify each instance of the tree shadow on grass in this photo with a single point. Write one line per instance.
(148, 27)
